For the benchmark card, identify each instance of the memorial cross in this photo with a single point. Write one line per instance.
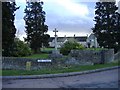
(55, 38)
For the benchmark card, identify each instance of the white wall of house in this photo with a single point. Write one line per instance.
(91, 39)
(59, 44)
(52, 44)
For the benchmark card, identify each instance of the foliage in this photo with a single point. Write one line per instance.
(35, 26)
(47, 50)
(68, 46)
(20, 49)
(8, 27)
(107, 25)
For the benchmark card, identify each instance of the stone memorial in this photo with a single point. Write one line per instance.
(55, 53)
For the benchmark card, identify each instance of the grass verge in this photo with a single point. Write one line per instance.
(57, 70)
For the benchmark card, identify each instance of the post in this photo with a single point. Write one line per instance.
(28, 65)
(55, 38)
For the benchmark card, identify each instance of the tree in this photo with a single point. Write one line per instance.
(35, 26)
(8, 27)
(107, 23)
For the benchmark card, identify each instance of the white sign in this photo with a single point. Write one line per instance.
(47, 60)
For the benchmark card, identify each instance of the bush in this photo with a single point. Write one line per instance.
(20, 49)
(69, 45)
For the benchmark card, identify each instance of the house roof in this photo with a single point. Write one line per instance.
(92, 36)
(62, 39)
(82, 39)
(51, 39)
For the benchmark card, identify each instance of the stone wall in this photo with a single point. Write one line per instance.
(94, 56)
(76, 57)
(20, 63)
(108, 55)
(117, 56)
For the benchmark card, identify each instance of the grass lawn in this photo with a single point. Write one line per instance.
(48, 49)
(56, 70)
(41, 56)
(44, 55)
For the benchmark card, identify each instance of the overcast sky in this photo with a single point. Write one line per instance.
(68, 16)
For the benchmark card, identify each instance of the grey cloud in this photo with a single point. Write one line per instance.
(68, 23)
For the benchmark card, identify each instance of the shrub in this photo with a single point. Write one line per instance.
(20, 49)
(69, 45)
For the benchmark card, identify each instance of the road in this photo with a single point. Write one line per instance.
(104, 79)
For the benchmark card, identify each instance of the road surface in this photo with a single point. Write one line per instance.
(104, 79)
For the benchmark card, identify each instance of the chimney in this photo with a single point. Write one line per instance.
(74, 35)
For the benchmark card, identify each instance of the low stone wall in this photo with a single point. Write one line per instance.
(117, 56)
(94, 56)
(20, 63)
(76, 57)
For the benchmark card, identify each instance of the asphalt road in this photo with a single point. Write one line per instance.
(104, 79)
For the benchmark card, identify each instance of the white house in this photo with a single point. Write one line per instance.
(90, 41)
(62, 40)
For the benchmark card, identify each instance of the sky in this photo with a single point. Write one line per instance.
(69, 17)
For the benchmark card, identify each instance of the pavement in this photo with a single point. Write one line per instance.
(99, 78)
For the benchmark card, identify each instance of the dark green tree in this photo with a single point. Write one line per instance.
(8, 27)
(117, 32)
(106, 26)
(35, 26)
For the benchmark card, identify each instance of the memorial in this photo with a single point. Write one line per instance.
(55, 52)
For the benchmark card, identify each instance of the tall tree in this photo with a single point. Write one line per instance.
(107, 23)
(117, 31)
(8, 27)
(35, 26)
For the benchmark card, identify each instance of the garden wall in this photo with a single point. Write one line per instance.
(95, 56)
(76, 57)
(20, 63)
(117, 56)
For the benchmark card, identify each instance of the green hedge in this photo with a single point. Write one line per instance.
(69, 45)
